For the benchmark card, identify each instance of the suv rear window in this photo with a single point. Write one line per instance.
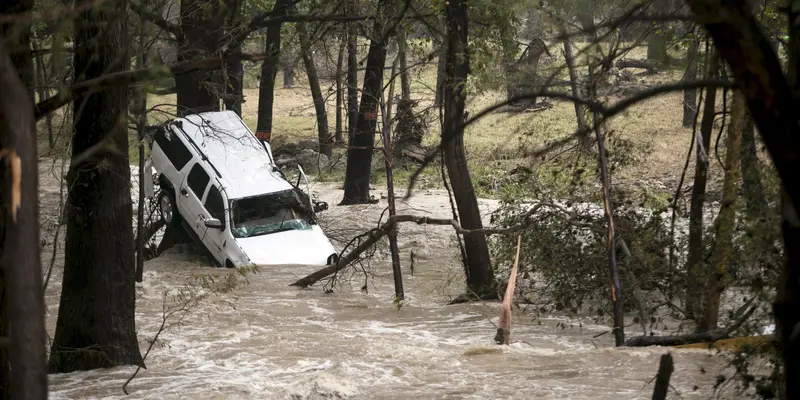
(215, 205)
(173, 148)
(198, 180)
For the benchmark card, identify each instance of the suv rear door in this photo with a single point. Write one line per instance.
(215, 238)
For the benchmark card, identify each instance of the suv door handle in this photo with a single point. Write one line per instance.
(184, 192)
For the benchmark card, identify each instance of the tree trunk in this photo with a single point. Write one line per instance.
(42, 81)
(576, 90)
(753, 188)
(726, 219)
(359, 155)
(352, 77)
(397, 272)
(316, 92)
(405, 79)
(269, 68)
(288, 76)
(695, 270)
(690, 95)
(23, 361)
(197, 91)
(140, 110)
(480, 277)
(339, 135)
(441, 73)
(95, 326)
(234, 90)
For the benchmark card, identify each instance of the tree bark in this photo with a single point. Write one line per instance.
(726, 219)
(339, 135)
(197, 91)
(95, 326)
(23, 372)
(234, 90)
(695, 268)
(576, 89)
(352, 76)
(359, 155)
(405, 79)
(480, 277)
(288, 76)
(42, 79)
(753, 188)
(441, 73)
(269, 69)
(140, 109)
(397, 273)
(316, 92)
(690, 95)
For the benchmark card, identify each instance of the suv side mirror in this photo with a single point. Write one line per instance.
(320, 206)
(213, 223)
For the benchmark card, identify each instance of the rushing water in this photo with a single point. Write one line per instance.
(267, 340)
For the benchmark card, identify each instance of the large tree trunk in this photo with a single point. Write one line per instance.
(352, 76)
(96, 327)
(690, 95)
(695, 271)
(480, 278)
(23, 372)
(359, 155)
(197, 91)
(316, 92)
(339, 135)
(726, 219)
(269, 68)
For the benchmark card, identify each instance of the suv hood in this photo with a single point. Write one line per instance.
(303, 247)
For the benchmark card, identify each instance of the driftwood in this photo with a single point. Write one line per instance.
(709, 336)
(503, 335)
(651, 67)
(665, 369)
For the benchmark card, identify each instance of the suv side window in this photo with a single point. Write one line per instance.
(198, 180)
(215, 205)
(173, 148)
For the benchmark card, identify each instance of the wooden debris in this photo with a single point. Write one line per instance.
(503, 335)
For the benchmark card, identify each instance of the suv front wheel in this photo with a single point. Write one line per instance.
(168, 209)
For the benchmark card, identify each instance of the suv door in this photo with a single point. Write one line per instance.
(216, 238)
(190, 193)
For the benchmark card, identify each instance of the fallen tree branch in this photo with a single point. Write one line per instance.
(651, 67)
(376, 234)
(708, 336)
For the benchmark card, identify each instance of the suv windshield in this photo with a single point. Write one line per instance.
(269, 213)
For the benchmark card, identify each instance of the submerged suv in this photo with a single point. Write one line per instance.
(221, 184)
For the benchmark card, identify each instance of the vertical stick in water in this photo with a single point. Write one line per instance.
(399, 293)
(503, 335)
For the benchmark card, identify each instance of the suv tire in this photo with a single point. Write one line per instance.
(168, 209)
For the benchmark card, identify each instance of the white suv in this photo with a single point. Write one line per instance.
(221, 184)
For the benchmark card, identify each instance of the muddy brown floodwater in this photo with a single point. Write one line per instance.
(266, 340)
